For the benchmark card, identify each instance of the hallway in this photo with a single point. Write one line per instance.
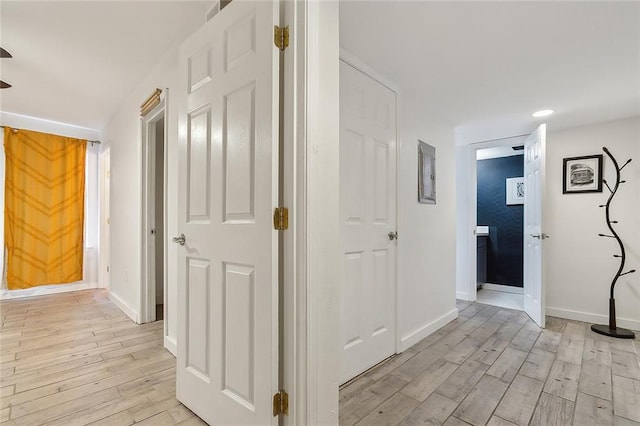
(495, 366)
(76, 359)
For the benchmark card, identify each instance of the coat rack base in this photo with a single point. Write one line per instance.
(620, 333)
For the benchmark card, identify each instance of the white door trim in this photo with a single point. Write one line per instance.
(105, 228)
(147, 287)
(294, 373)
(312, 90)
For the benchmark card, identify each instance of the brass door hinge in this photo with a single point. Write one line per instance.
(281, 218)
(280, 403)
(281, 37)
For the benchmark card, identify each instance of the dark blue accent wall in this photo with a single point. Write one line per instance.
(504, 248)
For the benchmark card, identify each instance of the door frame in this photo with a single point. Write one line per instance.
(311, 132)
(147, 287)
(466, 288)
(104, 274)
(359, 65)
(473, 198)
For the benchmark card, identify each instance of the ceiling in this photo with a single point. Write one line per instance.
(485, 67)
(482, 67)
(76, 61)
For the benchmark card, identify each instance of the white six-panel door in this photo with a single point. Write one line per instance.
(367, 216)
(534, 171)
(227, 361)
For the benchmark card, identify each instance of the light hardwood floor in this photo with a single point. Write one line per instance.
(494, 366)
(76, 359)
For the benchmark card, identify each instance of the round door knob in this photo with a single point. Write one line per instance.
(180, 240)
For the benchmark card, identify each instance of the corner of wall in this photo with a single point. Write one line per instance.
(410, 339)
(128, 310)
(171, 345)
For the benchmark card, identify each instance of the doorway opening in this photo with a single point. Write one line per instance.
(533, 186)
(500, 225)
(154, 216)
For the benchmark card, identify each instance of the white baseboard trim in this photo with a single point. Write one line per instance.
(128, 310)
(43, 290)
(171, 345)
(463, 295)
(504, 288)
(591, 318)
(415, 336)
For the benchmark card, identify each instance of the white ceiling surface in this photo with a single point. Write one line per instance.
(76, 61)
(485, 67)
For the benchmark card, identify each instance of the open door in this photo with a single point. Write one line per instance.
(227, 361)
(534, 171)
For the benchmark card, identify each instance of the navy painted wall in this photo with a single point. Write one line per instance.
(504, 248)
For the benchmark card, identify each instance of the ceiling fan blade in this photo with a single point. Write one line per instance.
(4, 85)
(5, 54)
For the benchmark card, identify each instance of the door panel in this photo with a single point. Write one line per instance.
(227, 364)
(199, 165)
(534, 170)
(367, 215)
(198, 310)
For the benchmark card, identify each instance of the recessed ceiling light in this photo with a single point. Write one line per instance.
(543, 113)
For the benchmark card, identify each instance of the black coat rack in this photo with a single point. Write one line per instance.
(611, 329)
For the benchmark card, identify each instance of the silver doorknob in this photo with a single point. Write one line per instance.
(392, 236)
(180, 240)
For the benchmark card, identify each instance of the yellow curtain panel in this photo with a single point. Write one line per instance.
(44, 208)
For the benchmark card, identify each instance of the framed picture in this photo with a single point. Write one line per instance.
(426, 173)
(515, 191)
(582, 174)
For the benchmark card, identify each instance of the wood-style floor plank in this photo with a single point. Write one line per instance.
(553, 410)
(626, 398)
(479, 405)
(432, 411)
(391, 412)
(520, 400)
(592, 411)
(563, 380)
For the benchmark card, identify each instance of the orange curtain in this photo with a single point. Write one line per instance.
(44, 208)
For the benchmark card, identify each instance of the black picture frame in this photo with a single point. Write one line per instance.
(582, 174)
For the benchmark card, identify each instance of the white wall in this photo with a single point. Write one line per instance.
(91, 227)
(123, 135)
(426, 232)
(579, 264)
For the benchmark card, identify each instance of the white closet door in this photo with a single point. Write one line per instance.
(367, 217)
